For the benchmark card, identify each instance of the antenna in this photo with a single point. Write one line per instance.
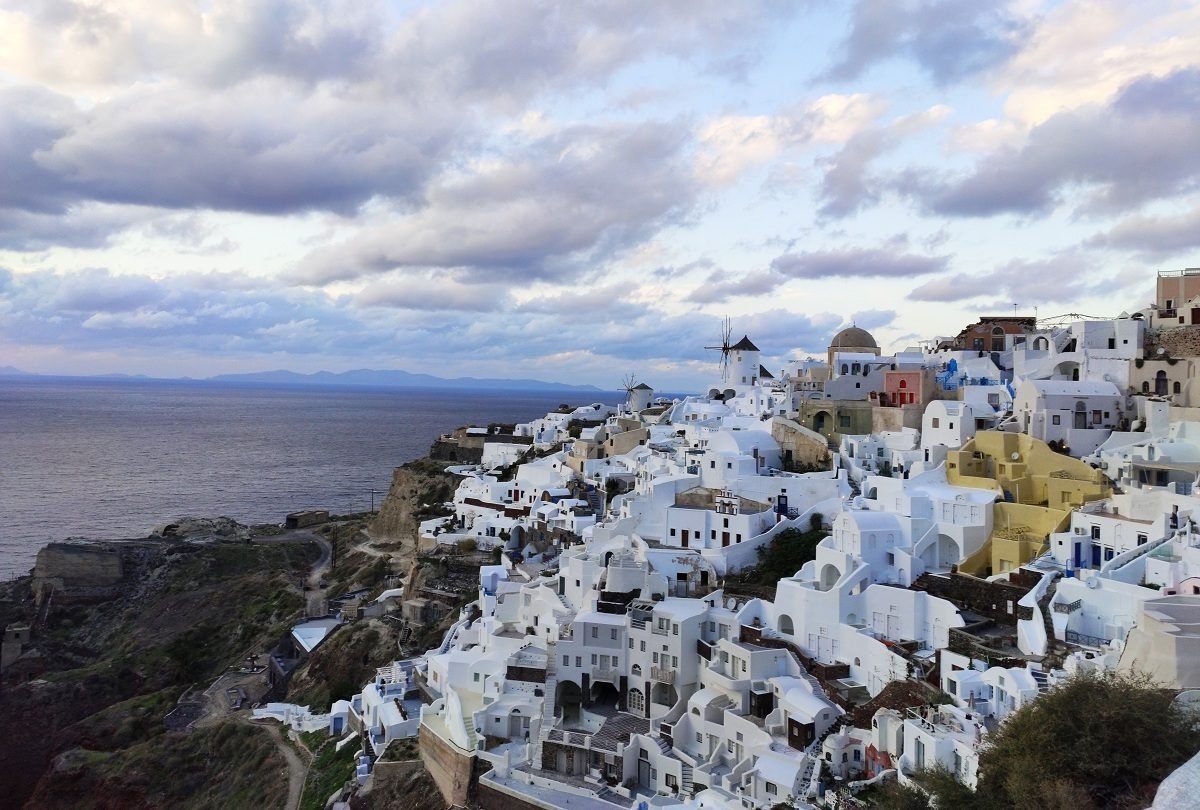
(725, 348)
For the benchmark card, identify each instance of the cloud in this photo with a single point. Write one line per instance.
(949, 39)
(470, 49)
(1137, 148)
(1154, 236)
(432, 294)
(1080, 53)
(847, 185)
(555, 206)
(873, 318)
(857, 263)
(1065, 278)
(720, 287)
(729, 145)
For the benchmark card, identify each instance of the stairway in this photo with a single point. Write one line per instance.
(1043, 682)
(549, 692)
(685, 786)
(1054, 647)
(596, 502)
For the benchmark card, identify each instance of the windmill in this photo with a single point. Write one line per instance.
(725, 348)
(628, 384)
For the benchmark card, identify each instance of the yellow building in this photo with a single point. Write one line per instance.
(1038, 490)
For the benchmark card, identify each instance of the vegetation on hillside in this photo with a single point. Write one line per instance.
(1095, 741)
(786, 554)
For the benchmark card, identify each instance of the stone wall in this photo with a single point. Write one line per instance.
(491, 798)
(798, 444)
(78, 569)
(452, 770)
(989, 599)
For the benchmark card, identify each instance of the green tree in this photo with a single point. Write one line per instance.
(1103, 740)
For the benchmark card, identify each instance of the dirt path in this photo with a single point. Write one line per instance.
(297, 769)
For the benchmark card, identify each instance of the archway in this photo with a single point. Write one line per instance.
(829, 576)
(1080, 416)
(637, 702)
(948, 551)
(604, 693)
(786, 626)
(822, 421)
(1160, 383)
(568, 698)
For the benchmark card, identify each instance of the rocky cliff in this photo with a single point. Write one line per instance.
(418, 489)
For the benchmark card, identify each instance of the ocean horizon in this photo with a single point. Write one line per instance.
(107, 459)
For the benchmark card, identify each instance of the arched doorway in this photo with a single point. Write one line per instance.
(786, 626)
(637, 702)
(1160, 383)
(829, 576)
(605, 694)
(1080, 416)
(568, 698)
(822, 421)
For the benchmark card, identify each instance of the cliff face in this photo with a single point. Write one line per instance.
(417, 490)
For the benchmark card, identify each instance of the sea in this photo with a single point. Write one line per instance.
(103, 459)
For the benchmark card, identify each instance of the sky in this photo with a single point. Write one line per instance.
(577, 191)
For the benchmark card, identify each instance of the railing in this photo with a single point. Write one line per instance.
(659, 631)
(1086, 640)
(1068, 607)
(663, 674)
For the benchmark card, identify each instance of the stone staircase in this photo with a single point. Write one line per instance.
(1056, 650)
(549, 691)
(472, 737)
(685, 786)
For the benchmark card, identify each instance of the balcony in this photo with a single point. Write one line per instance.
(609, 674)
(663, 674)
(659, 631)
(1068, 607)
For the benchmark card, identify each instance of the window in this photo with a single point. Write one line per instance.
(770, 787)
(642, 646)
(1056, 419)
(595, 631)
(578, 661)
(936, 421)
(699, 737)
(566, 660)
(1142, 539)
(674, 629)
(476, 677)
(613, 633)
(595, 659)
(671, 783)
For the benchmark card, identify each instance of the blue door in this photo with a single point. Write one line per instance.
(1078, 555)
(1095, 556)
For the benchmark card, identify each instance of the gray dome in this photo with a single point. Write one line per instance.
(853, 338)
